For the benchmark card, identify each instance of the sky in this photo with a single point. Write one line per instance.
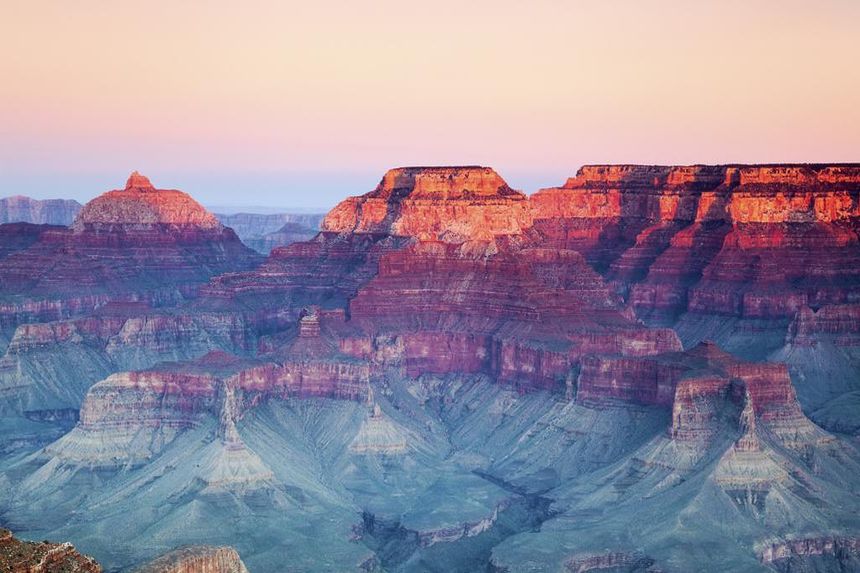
(299, 104)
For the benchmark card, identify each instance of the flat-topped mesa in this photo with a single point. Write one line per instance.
(654, 192)
(639, 176)
(631, 175)
(140, 206)
(459, 182)
(452, 204)
(632, 211)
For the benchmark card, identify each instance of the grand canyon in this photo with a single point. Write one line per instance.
(644, 368)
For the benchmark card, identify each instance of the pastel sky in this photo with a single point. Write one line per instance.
(298, 104)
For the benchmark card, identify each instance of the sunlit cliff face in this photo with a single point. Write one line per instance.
(448, 203)
(141, 204)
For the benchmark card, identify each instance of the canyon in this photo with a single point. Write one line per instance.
(646, 368)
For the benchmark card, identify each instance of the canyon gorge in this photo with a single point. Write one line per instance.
(646, 368)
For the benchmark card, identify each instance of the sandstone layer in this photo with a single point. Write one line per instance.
(750, 241)
(444, 203)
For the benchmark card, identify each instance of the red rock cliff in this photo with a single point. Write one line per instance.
(447, 203)
(139, 243)
(140, 205)
(756, 241)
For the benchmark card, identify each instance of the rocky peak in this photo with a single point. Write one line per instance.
(141, 206)
(138, 182)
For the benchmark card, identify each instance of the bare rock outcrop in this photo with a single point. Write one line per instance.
(140, 205)
(754, 241)
(42, 557)
(196, 559)
(137, 243)
(445, 203)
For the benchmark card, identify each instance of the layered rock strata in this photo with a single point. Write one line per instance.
(196, 559)
(826, 551)
(137, 243)
(444, 203)
(751, 241)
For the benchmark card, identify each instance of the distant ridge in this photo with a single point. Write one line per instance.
(21, 209)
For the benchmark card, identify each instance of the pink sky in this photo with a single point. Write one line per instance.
(281, 94)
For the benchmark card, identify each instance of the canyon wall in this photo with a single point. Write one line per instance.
(748, 241)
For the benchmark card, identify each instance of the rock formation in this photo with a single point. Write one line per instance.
(138, 243)
(42, 557)
(45, 557)
(20, 209)
(443, 203)
(140, 206)
(448, 374)
(18, 236)
(196, 559)
(287, 235)
(823, 552)
(750, 241)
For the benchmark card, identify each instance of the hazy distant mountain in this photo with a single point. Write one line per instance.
(20, 209)
(265, 231)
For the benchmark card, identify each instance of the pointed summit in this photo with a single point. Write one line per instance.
(139, 182)
(140, 206)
